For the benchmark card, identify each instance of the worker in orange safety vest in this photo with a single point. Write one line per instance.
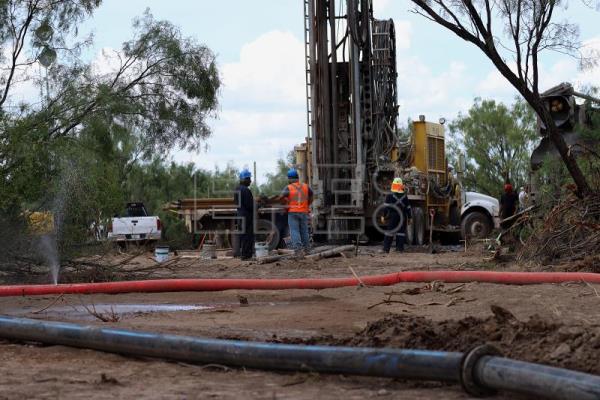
(298, 197)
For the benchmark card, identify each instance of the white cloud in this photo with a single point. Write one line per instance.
(270, 72)
(403, 34)
(25, 82)
(263, 104)
(433, 94)
(590, 76)
(380, 6)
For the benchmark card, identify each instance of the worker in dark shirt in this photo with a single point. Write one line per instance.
(398, 212)
(245, 211)
(509, 202)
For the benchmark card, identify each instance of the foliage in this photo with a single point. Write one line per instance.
(513, 34)
(92, 144)
(34, 27)
(497, 141)
(278, 180)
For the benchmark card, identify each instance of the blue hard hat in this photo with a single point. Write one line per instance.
(292, 174)
(245, 174)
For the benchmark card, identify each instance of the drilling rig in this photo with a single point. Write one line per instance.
(352, 150)
(352, 110)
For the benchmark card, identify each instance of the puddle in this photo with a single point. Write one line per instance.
(78, 311)
(122, 310)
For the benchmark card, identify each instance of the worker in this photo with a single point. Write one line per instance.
(509, 201)
(245, 211)
(298, 197)
(523, 198)
(398, 213)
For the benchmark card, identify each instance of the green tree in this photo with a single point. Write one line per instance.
(277, 180)
(497, 141)
(513, 34)
(33, 30)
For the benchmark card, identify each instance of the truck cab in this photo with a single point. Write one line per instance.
(479, 215)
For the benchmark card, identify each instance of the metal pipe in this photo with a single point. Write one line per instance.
(334, 84)
(484, 373)
(393, 363)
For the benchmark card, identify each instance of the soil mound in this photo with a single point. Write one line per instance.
(535, 340)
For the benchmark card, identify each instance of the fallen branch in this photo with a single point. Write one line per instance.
(329, 253)
(49, 305)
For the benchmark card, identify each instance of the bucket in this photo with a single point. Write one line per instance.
(161, 254)
(262, 250)
(209, 251)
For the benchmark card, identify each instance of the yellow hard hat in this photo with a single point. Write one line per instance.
(397, 185)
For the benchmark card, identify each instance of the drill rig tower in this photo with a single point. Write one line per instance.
(351, 113)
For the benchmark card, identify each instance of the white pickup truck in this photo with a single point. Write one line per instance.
(135, 226)
(479, 215)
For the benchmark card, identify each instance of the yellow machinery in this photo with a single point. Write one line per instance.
(40, 222)
(432, 189)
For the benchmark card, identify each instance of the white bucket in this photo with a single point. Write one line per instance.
(209, 251)
(262, 250)
(161, 254)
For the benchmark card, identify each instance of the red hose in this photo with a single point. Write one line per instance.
(206, 285)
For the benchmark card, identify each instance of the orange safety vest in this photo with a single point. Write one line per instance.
(298, 198)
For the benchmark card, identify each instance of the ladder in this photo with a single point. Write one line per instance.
(307, 60)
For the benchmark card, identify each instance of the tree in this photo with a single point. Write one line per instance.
(163, 90)
(40, 26)
(278, 180)
(530, 27)
(497, 141)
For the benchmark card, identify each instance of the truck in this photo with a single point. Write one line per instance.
(352, 150)
(135, 226)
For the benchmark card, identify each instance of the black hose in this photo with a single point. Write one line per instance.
(478, 370)
(537, 380)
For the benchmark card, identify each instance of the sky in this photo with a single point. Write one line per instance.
(260, 54)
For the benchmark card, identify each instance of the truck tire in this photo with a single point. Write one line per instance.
(476, 225)
(419, 226)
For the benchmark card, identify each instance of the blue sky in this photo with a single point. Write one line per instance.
(259, 47)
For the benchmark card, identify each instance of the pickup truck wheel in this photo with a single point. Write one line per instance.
(476, 225)
(419, 226)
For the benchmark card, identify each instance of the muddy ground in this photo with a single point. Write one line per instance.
(554, 324)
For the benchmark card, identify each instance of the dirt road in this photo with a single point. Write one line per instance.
(554, 324)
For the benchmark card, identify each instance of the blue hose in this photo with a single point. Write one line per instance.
(475, 370)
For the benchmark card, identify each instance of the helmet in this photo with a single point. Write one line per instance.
(508, 188)
(292, 174)
(245, 174)
(397, 185)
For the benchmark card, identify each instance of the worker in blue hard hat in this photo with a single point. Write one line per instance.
(298, 197)
(398, 212)
(245, 211)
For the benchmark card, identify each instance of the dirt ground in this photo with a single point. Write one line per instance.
(554, 324)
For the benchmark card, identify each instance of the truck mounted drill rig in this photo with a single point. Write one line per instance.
(353, 152)
(352, 111)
